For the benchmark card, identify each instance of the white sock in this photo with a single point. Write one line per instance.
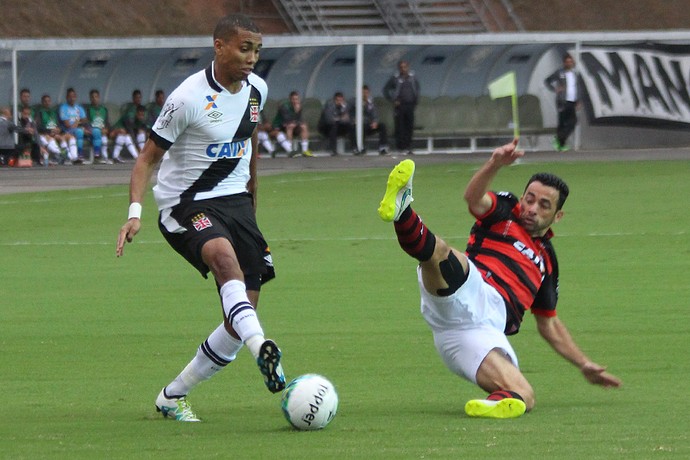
(118, 146)
(266, 141)
(217, 351)
(130, 146)
(72, 152)
(241, 314)
(53, 147)
(254, 344)
(305, 146)
(141, 140)
(104, 147)
(284, 142)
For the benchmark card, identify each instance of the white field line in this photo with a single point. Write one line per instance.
(312, 239)
(48, 199)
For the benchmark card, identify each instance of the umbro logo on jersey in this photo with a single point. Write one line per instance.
(215, 115)
(211, 102)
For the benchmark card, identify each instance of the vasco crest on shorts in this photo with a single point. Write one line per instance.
(200, 222)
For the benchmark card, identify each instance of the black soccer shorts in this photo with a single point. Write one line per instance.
(187, 226)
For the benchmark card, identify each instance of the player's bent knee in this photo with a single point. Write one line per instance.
(453, 273)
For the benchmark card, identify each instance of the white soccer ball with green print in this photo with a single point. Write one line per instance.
(309, 402)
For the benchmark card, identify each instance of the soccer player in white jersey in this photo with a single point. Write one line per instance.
(205, 139)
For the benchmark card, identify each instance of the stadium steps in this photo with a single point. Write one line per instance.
(371, 17)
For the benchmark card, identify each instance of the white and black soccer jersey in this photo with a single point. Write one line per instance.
(206, 131)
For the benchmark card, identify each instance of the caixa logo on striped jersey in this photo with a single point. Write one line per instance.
(227, 149)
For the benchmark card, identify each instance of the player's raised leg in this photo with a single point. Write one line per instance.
(219, 255)
(413, 236)
(241, 315)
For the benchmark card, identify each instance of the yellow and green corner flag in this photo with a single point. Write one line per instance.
(505, 86)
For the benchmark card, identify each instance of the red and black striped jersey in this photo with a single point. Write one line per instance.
(524, 270)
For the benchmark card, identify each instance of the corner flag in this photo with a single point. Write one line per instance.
(505, 86)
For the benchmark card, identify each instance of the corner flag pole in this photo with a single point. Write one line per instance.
(516, 118)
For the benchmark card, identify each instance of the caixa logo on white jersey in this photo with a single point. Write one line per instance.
(227, 149)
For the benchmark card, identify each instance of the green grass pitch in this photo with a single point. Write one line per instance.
(87, 340)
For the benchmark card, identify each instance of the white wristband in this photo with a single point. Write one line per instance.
(134, 211)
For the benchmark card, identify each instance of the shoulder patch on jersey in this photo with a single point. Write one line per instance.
(167, 113)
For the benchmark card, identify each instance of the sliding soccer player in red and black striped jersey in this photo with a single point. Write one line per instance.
(473, 300)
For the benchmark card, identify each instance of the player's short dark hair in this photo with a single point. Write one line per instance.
(551, 180)
(94, 91)
(230, 24)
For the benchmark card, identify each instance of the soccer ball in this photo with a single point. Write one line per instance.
(309, 402)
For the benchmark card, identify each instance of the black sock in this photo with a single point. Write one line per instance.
(414, 237)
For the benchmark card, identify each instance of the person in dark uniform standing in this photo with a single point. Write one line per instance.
(402, 89)
(205, 140)
(566, 83)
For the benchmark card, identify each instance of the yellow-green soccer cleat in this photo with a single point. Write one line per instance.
(398, 194)
(505, 408)
(177, 408)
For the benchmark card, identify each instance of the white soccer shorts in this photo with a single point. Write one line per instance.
(467, 325)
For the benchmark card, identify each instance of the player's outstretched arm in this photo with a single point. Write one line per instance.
(149, 157)
(476, 191)
(557, 335)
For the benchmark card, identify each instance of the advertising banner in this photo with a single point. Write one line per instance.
(646, 84)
